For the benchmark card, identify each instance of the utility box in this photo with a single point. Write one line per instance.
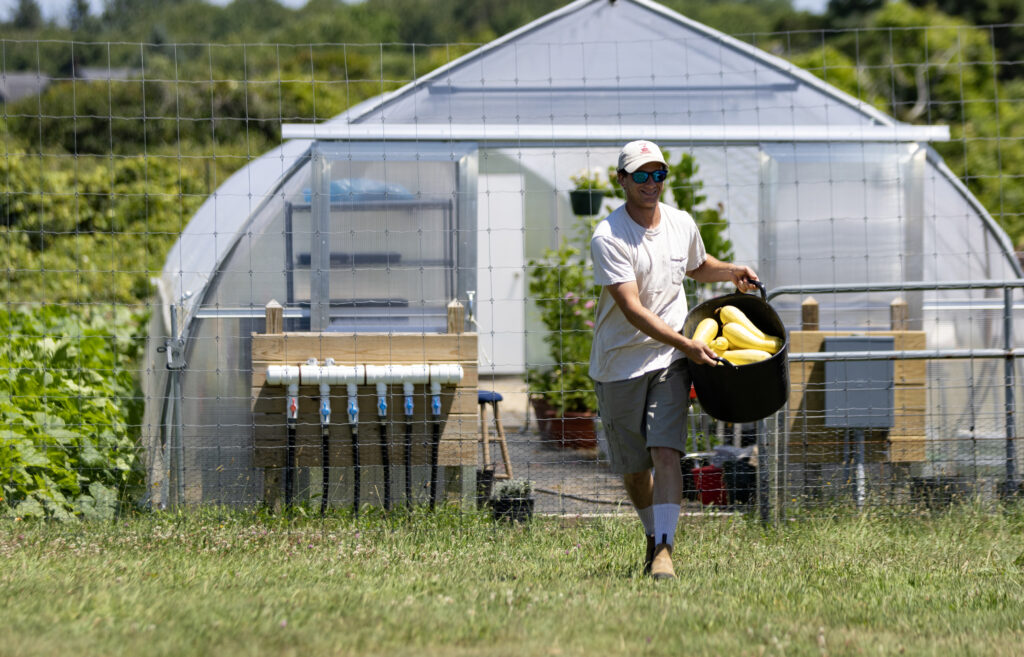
(859, 393)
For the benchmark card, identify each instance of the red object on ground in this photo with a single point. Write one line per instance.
(710, 485)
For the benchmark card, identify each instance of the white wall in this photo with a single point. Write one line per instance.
(501, 289)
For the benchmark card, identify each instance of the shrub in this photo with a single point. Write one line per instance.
(70, 411)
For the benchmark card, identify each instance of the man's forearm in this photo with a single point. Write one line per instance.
(653, 326)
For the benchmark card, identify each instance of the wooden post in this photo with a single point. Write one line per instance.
(275, 318)
(899, 314)
(456, 317)
(809, 314)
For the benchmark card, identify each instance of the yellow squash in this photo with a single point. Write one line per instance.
(733, 314)
(706, 330)
(741, 338)
(745, 356)
(719, 345)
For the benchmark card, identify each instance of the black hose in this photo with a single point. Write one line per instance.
(355, 469)
(436, 429)
(408, 464)
(325, 439)
(385, 459)
(289, 464)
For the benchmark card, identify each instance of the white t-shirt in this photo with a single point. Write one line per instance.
(657, 259)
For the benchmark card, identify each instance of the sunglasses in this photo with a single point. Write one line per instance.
(640, 177)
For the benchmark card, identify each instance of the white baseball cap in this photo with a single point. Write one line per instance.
(635, 154)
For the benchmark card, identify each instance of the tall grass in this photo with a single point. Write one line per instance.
(227, 583)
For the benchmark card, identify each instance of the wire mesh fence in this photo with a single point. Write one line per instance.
(348, 274)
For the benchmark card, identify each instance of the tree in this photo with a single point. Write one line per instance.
(1008, 15)
(78, 15)
(27, 15)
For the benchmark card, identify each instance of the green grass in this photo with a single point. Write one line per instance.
(227, 583)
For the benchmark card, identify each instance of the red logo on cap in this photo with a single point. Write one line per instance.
(644, 149)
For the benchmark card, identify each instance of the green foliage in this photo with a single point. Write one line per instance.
(737, 16)
(518, 489)
(69, 411)
(95, 229)
(923, 66)
(1007, 14)
(843, 72)
(27, 15)
(684, 186)
(562, 286)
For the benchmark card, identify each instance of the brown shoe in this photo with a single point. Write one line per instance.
(661, 567)
(649, 555)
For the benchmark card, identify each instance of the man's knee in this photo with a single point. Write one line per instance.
(633, 478)
(665, 456)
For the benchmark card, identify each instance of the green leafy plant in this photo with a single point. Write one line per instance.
(593, 179)
(562, 286)
(70, 411)
(514, 489)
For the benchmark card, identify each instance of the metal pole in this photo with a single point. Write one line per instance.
(407, 388)
(435, 411)
(858, 455)
(325, 445)
(174, 346)
(763, 500)
(179, 434)
(1010, 404)
(353, 423)
(385, 454)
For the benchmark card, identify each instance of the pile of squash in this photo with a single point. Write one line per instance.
(735, 338)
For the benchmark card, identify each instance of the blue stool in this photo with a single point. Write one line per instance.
(485, 397)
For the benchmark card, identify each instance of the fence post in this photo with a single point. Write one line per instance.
(456, 317)
(899, 314)
(809, 314)
(275, 318)
(1008, 377)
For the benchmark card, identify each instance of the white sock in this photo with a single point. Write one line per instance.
(647, 517)
(666, 516)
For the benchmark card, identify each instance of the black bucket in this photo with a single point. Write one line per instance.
(745, 393)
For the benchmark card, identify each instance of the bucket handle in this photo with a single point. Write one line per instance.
(722, 361)
(760, 286)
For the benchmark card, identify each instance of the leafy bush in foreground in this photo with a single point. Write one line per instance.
(69, 411)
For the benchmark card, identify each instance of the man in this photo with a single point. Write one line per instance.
(641, 253)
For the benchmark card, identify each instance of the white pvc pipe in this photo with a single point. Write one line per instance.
(353, 402)
(407, 390)
(325, 403)
(382, 399)
(415, 373)
(279, 375)
(446, 373)
(383, 373)
(292, 407)
(325, 399)
(345, 374)
(312, 374)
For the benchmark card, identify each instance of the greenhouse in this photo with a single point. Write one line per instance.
(370, 225)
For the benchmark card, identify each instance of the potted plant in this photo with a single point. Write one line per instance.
(590, 186)
(563, 398)
(513, 500)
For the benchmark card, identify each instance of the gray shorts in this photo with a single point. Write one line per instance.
(643, 412)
